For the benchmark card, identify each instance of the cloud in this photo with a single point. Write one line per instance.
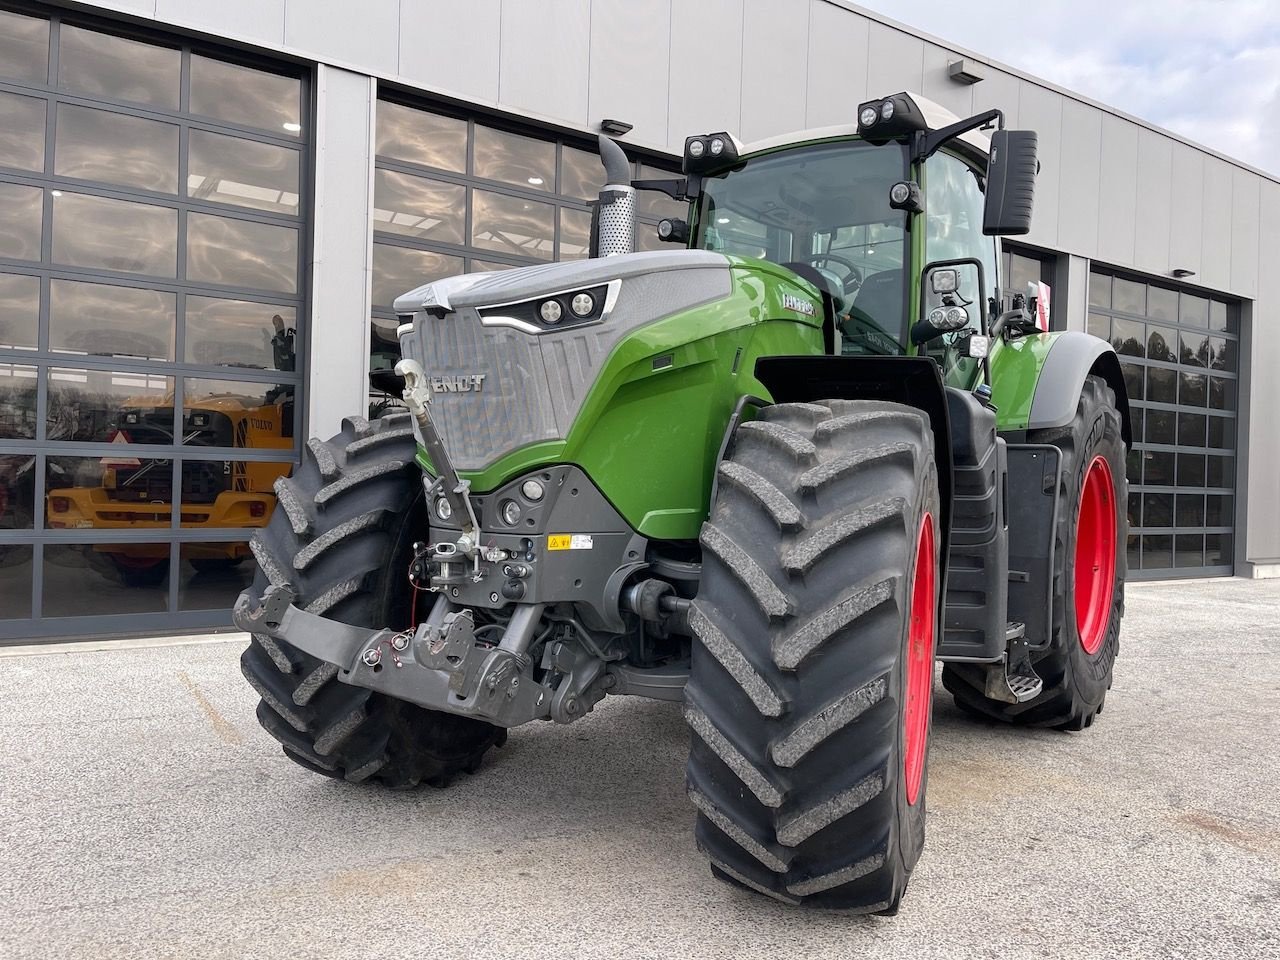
(1206, 69)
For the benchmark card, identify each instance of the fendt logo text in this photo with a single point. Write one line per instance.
(790, 302)
(466, 383)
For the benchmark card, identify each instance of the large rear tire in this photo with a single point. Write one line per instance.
(342, 536)
(1088, 577)
(816, 616)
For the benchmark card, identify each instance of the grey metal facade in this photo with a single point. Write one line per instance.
(1116, 197)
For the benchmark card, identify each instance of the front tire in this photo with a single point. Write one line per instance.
(811, 684)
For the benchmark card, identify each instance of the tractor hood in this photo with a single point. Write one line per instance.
(507, 370)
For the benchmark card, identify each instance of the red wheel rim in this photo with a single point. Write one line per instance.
(1095, 556)
(919, 682)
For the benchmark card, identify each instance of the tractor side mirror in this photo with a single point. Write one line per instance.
(951, 298)
(1011, 183)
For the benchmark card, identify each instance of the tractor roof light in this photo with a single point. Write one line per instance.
(868, 116)
(710, 152)
(889, 118)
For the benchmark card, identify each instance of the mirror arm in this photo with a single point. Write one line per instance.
(683, 188)
(927, 144)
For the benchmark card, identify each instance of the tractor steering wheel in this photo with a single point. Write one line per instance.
(852, 280)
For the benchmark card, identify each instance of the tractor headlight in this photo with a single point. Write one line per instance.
(886, 110)
(554, 310)
(550, 311)
(510, 511)
(532, 490)
(710, 152)
(938, 318)
(696, 148)
(868, 116)
(717, 146)
(956, 318)
(443, 510)
(582, 304)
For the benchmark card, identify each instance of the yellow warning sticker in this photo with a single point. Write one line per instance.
(559, 541)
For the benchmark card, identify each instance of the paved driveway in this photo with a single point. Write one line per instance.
(144, 814)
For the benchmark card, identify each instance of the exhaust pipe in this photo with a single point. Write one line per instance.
(613, 223)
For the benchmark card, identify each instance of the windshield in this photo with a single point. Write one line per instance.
(827, 207)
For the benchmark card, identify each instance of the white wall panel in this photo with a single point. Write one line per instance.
(1151, 226)
(999, 90)
(895, 61)
(362, 35)
(144, 8)
(1079, 185)
(705, 91)
(1246, 196)
(452, 47)
(1262, 541)
(1215, 257)
(837, 65)
(1041, 110)
(775, 57)
(630, 66)
(546, 58)
(259, 21)
(1186, 209)
(1118, 191)
(938, 86)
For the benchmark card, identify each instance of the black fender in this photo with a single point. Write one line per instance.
(912, 381)
(1073, 357)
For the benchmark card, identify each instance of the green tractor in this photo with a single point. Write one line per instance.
(773, 476)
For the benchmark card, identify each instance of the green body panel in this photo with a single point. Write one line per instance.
(1015, 372)
(649, 431)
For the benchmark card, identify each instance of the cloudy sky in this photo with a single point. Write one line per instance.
(1207, 69)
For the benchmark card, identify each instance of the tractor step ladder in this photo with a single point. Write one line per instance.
(1014, 679)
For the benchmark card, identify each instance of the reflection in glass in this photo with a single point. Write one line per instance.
(248, 174)
(1099, 291)
(237, 413)
(647, 238)
(575, 234)
(1128, 296)
(1159, 469)
(114, 234)
(109, 406)
(1162, 304)
(1222, 394)
(17, 401)
(1158, 510)
(105, 321)
(397, 270)
(15, 576)
(1192, 389)
(1194, 310)
(1127, 338)
(419, 207)
(24, 47)
(1161, 426)
(19, 310)
(219, 494)
(241, 253)
(119, 69)
(116, 492)
(1220, 471)
(1190, 510)
(1191, 429)
(1222, 433)
(1217, 550)
(1132, 380)
(114, 148)
(416, 136)
(1188, 550)
(103, 579)
(1162, 385)
(1218, 511)
(211, 575)
(483, 266)
(1190, 470)
(243, 95)
(1157, 552)
(512, 225)
(653, 203)
(1193, 349)
(237, 333)
(20, 227)
(1162, 344)
(1220, 319)
(21, 131)
(516, 159)
(581, 173)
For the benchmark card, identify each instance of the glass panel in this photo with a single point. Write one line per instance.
(1219, 511)
(24, 47)
(1162, 304)
(108, 321)
(1189, 550)
(1224, 354)
(237, 333)
(211, 575)
(1191, 429)
(1221, 472)
(21, 130)
(109, 406)
(114, 148)
(236, 413)
(1162, 385)
(1132, 380)
(1190, 470)
(1159, 469)
(229, 493)
(1162, 343)
(246, 96)
(17, 403)
(1133, 552)
(419, 207)
(19, 310)
(581, 173)
(1157, 510)
(1133, 466)
(1222, 432)
(15, 561)
(511, 158)
(120, 492)
(1099, 325)
(575, 233)
(1160, 426)
(481, 265)
(1136, 417)
(1190, 510)
(116, 68)
(1127, 338)
(241, 253)
(1193, 349)
(1135, 509)
(102, 579)
(1191, 390)
(20, 227)
(646, 238)
(1129, 297)
(1222, 393)
(397, 270)
(248, 174)
(114, 234)
(512, 225)
(1194, 310)
(651, 203)
(417, 136)
(1099, 291)
(1220, 318)
(1218, 550)
(1157, 552)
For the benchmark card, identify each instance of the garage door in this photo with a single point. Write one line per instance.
(1180, 353)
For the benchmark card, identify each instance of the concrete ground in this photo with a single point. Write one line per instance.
(143, 813)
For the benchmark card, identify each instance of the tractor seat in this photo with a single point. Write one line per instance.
(879, 300)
